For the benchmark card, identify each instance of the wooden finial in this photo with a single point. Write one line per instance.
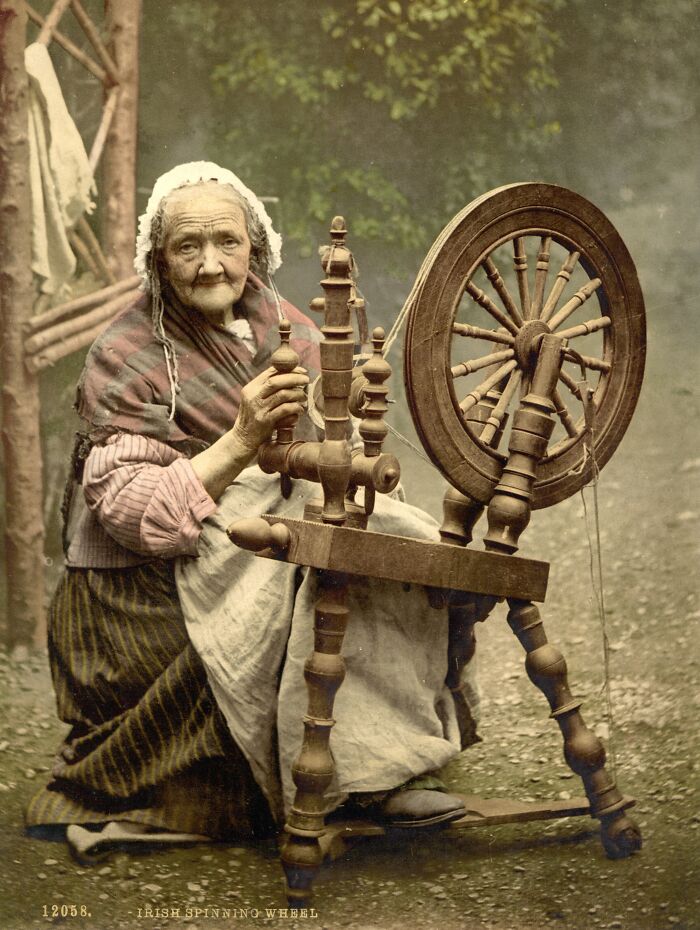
(338, 228)
(284, 358)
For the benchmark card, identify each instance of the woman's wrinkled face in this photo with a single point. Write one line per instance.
(206, 249)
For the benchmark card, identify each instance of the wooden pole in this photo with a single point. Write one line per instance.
(93, 35)
(122, 18)
(52, 20)
(24, 531)
(58, 350)
(85, 60)
(73, 307)
(101, 135)
(61, 331)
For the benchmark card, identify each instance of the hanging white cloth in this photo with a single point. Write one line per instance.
(62, 182)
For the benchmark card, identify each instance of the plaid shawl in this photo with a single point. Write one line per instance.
(125, 385)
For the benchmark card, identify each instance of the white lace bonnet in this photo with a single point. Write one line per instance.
(194, 172)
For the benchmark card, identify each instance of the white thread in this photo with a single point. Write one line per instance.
(407, 442)
(596, 565)
(276, 295)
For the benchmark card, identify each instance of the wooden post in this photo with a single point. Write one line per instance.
(24, 532)
(122, 19)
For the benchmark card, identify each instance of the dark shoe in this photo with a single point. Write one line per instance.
(420, 808)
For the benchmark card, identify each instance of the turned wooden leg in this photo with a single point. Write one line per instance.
(583, 751)
(312, 773)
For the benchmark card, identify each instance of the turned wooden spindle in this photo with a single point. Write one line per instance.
(509, 510)
(325, 670)
(520, 266)
(373, 430)
(541, 271)
(377, 371)
(481, 415)
(284, 359)
(312, 773)
(334, 463)
(583, 751)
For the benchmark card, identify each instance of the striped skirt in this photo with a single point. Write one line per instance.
(148, 743)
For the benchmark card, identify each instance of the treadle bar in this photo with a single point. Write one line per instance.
(481, 812)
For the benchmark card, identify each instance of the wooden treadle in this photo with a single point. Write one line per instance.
(486, 811)
(481, 812)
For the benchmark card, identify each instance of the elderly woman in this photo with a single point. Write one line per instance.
(177, 396)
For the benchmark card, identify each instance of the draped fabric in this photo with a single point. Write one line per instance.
(125, 387)
(251, 621)
(147, 736)
(125, 384)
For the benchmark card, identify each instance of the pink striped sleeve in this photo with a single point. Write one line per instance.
(146, 496)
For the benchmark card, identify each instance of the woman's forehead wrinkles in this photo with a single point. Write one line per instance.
(205, 219)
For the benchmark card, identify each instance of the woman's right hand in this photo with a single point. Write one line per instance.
(267, 399)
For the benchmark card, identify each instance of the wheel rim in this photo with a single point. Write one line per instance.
(549, 232)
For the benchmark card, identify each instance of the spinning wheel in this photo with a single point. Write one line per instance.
(474, 326)
(479, 344)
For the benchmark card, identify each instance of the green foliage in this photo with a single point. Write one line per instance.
(394, 113)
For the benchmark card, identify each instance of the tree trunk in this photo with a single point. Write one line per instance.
(24, 533)
(122, 19)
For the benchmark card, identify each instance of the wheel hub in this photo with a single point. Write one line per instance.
(527, 343)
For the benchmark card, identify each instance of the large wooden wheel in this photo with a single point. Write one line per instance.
(520, 261)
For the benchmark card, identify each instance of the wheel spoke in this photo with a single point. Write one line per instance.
(566, 379)
(520, 265)
(493, 424)
(541, 271)
(476, 395)
(585, 329)
(476, 332)
(595, 364)
(579, 298)
(499, 286)
(560, 282)
(485, 301)
(467, 368)
(563, 414)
